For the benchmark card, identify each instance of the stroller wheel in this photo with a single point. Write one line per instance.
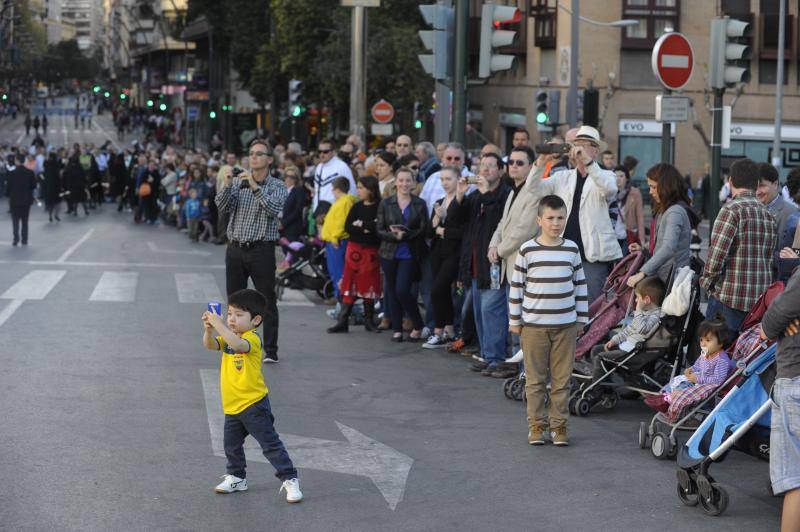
(717, 502)
(660, 445)
(571, 406)
(687, 497)
(582, 407)
(642, 435)
(507, 384)
(518, 390)
(609, 401)
(326, 292)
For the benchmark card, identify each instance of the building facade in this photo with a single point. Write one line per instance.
(617, 62)
(88, 20)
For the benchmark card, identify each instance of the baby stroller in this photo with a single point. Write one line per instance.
(309, 272)
(606, 312)
(741, 420)
(746, 349)
(647, 367)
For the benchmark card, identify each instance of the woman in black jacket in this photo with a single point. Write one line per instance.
(75, 183)
(292, 219)
(362, 270)
(447, 228)
(402, 226)
(52, 186)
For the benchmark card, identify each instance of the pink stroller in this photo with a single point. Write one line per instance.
(611, 308)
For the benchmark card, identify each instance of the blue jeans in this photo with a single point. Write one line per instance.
(784, 448)
(335, 261)
(256, 420)
(425, 285)
(399, 274)
(491, 321)
(733, 318)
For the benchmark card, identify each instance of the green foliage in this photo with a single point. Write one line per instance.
(64, 60)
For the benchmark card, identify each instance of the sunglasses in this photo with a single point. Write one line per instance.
(452, 158)
(260, 154)
(517, 162)
(325, 151)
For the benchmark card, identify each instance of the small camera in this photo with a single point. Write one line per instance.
(552, 149)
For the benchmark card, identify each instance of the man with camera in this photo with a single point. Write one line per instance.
(253, 201)
(587, 189)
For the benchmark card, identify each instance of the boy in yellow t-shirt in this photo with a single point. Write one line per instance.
(244, 394)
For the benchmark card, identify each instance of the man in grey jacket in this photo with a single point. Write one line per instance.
(769, 194)
(781, 321)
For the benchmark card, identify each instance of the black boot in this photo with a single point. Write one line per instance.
(344, 319)
(369, 316)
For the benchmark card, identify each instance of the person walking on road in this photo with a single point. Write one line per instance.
(44, 125)
(52, 186)
(19, 187)
(253, 201)
(28, 125)
(36, 125)
(75, 183)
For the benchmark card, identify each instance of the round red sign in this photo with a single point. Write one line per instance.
(673, 60)
(383, 112)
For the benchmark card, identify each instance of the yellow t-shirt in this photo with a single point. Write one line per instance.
(241, 382)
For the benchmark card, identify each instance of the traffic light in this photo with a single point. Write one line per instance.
(729, 52)
(417, 116)
(542, 110)
(96, 89)
(122, 96)
(163, 107)
(296, 97)
(5, 97)
(439, 41)
(150, 103)
(106, 94)
(212, 114)
(591, 107)
(492, 17)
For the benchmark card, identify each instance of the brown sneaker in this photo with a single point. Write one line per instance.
(536, 435)
(559, 436)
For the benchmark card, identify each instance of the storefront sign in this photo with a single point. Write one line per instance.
(763, 131)
(634, 127)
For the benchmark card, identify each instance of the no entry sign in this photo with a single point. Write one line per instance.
(383, 112)
(673, 60)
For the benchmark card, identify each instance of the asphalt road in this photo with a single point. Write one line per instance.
(106, 419)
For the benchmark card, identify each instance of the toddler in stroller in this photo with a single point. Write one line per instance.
(308, 272)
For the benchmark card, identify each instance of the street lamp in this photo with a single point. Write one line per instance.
(572, 92)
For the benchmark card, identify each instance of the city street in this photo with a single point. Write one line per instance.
(112, 420)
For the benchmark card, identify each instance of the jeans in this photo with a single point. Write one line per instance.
(257, 421)
(399, 274)
(19, 216)
(732, 317)
(596, 274)
(425, 287)
(784, 448)
(491, 321)
(258, 264)
(335, 261)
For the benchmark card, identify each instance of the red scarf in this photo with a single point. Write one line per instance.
(653, 235)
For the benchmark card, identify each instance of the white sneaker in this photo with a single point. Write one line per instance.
(292, 487)
(435, 341)
(516, 359)
(231, 483)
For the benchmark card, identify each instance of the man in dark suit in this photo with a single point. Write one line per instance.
(19, 189)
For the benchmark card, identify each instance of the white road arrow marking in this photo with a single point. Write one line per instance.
(35, 285)
(360, 455)
(155, 249)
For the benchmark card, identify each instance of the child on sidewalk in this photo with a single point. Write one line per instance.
(548, 303)
(191, 212)
(245, 399)
(334, 233)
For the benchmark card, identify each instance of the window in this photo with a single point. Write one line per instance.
(545, 13)
(654, 17)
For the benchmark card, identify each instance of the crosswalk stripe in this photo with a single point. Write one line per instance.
(294, 298)
(35, 285)
(116, 286)
(197, 288)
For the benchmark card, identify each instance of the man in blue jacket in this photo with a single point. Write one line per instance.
(20, 185)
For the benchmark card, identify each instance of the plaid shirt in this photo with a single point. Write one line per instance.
(739, 267)
(253, 215)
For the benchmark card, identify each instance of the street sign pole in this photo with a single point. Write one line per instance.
(716, 154)
(666, 137)
(459, 132)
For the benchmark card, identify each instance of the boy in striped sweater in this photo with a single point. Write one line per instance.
(548, 306)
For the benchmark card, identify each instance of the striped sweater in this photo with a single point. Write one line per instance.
(548, 287)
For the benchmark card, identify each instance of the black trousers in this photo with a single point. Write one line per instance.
(258, 264)
(445, 271)
(19, 213)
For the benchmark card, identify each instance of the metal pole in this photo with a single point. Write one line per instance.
(777, 158)
(459, 132)
(666, 138)
(572, 92)
(716, 154)
(441, 125)
(357, 72)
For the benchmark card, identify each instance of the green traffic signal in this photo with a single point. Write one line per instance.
(212, 115)
(106, 94)
(122, 96)
(150, 103)
(96, 89)
(541, 118)
(163, 107)
(5, 97)
(297, 110)
(417, 124)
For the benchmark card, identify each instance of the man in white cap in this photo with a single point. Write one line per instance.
(587, 189)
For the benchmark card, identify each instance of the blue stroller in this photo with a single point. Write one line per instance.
(740, 420)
